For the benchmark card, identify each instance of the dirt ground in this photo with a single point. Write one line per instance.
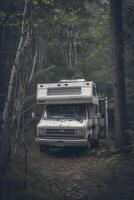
(71, 174)
(79, 174)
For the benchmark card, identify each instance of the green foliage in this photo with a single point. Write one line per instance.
(73, 40)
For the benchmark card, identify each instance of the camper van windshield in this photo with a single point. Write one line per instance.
(65, 111)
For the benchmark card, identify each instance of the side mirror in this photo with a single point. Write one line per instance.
(33, 115)
(90, 122)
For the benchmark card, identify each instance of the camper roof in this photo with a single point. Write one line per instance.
(66, 92)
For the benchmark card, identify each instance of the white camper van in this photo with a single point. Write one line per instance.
(73, 114)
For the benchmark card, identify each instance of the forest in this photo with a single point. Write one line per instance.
(44, 41)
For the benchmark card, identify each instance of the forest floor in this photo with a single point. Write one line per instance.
(72, 174)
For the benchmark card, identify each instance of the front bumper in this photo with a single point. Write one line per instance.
(61, 142)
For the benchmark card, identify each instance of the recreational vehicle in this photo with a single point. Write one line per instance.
(74, 114)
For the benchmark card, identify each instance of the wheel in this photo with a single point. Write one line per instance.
(94, 143)
(44, 148)
(89, 146)
(41, 148)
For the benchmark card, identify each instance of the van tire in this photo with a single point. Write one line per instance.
(94, 143)
(89, 146)
(44, 148)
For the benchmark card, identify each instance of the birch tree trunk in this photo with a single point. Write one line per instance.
(70, 48)
(75, 53)
(33, 67)
(118, 73)
(5, 139)
(70, 55)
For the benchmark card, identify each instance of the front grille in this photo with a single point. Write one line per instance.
(61, 134)
(67, 132)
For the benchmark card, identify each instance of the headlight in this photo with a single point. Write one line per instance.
(80, 132)
(41, 131)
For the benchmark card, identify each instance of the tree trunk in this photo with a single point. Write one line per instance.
(5, 143)
(75, 53)
(33, 67)
(118, 73)
(70, 55)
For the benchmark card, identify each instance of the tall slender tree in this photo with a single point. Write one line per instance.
(118, 72)
(6, 134)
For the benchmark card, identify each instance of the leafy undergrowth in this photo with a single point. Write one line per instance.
(102, 174)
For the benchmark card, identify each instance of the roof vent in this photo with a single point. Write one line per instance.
(72, 81)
